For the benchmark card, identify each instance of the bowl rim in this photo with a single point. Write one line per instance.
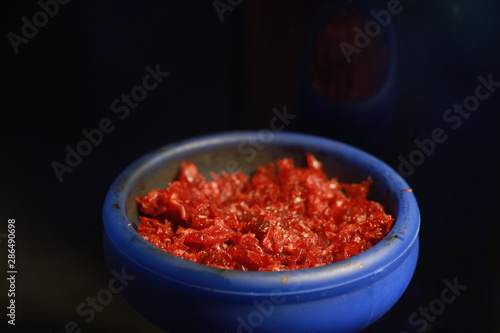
(388, 252)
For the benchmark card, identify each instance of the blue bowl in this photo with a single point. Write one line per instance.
(182, 296)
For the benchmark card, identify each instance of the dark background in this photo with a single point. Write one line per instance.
(229, 75)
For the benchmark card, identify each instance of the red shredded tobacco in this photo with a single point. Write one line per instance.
(272, 221)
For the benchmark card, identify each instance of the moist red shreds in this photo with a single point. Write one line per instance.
(275, 220)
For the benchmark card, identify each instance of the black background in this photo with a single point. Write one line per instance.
(64, 79)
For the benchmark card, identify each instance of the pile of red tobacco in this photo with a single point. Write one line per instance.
(274, 220)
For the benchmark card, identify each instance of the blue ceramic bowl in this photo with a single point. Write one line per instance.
(183, 296)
